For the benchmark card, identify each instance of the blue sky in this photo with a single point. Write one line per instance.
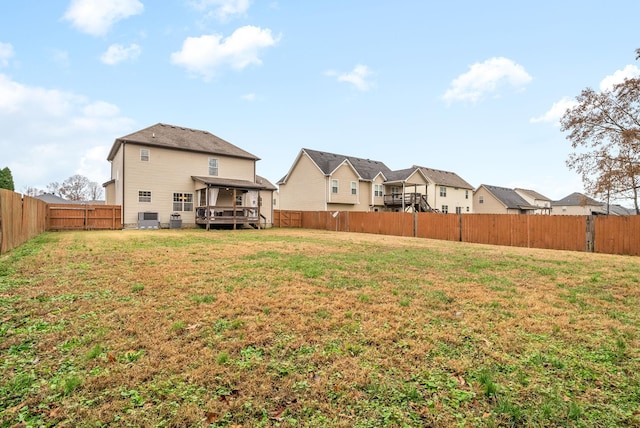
(464, 86)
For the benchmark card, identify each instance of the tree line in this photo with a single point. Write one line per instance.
(75, 188)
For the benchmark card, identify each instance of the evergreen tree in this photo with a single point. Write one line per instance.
(6, 179)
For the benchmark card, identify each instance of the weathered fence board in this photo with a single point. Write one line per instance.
(21, 218)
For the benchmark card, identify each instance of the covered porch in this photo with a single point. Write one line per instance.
(227, 202)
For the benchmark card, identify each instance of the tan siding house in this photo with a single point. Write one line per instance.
(166, 171)
(500, 200)
(321, 181)
(447, 191)
(578, 204)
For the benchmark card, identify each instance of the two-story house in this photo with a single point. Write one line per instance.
(536, 199)
(500, 200)
(322, 181)
(164, 172)
(447, 192)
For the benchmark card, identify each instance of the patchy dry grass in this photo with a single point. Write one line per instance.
(310, 328)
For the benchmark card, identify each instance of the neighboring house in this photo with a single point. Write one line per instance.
(165, 172)
(50, 198)
(500, 200)
(536, 199)
(322, 181)
(447, 192)
(577, 204)
(615, 209)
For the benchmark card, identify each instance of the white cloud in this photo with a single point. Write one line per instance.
(249, 97)
(629, 72)
(358, 77)
(49, 135)
(486, 78)
(117, 53)
(556, 111)
(96, 17)
(205, 54)
(6, 53)
(558, 108)
(222, 9)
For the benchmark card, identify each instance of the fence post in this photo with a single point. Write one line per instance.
(590, 234)
(460, 227)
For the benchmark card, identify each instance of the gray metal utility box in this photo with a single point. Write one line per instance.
(175, 222)
(148, 220)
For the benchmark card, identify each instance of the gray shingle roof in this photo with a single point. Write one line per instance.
(445, 178)
(576, 199)
(508, 197)
(400, 175)
(180, 138)
(367, 169)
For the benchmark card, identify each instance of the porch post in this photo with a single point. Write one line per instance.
(234, 208)
(206, 216)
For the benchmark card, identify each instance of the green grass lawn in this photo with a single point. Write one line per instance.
(312, 328)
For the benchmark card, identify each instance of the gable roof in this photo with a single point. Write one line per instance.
(180, 138)
(367, 169)
(509, 198)
(402, 175)
(327, 162)
(578, 200)
(444, 178)
(533, 194)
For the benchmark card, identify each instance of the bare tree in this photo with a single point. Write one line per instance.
(75, 188)
(31, 191)
(94, 191)
(604, 130)
(54, 188)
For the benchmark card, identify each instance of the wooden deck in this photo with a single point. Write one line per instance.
(228, 216)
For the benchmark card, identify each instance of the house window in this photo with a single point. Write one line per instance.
(239, 199)
(354, 188)
(213, 166)
(458, 210)
(467, 209)
(466, 194)
(443, 191)
(183, 201)
(334, 186)
(445, 209)
(144, 195)
(144, 155)
(481, 199)
(377, 190)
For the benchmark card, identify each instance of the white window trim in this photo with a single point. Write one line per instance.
(140, 196)
(148, 159)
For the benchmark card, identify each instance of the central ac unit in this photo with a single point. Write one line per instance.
(148, 220)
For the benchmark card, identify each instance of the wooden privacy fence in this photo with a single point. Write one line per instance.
(602, 234)
(21, 218)
(84, 217)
